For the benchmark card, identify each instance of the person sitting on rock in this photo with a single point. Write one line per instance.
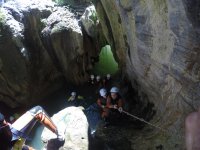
(114, 103)
(14, 135)
(76, 100)
(102, 102)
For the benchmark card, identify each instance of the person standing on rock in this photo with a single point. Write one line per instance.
(192, 131)
(14, 135)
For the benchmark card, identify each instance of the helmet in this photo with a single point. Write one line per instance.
(98, 78)
(11, 118)
(114, 90)
(73, 94)
(108, 76)
(102, 92)
(92, 76)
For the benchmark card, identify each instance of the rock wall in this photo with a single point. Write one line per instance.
(157, 45)
(42, 45)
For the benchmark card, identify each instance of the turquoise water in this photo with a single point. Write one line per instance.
(36, 140)
(107, 63)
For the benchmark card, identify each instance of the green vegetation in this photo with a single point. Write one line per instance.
(94, 17)
(107, 63)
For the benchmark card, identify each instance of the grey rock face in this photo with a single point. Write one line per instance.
(41, 45)
(157, 45)
(90, 21)
(73, 123)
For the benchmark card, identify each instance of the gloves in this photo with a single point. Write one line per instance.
(120, 109)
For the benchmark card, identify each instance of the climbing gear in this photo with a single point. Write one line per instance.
(120, 109)
(114, 90)
(174, 133)
(102, 92)
(142, 120)
(73, 94)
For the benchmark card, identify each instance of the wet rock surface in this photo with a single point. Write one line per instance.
(156, 44)
(42, 46)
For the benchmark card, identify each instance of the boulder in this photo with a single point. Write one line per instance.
(73, 123)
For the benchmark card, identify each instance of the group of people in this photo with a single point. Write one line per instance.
(109, 100)
(100, 82)
(110, 103)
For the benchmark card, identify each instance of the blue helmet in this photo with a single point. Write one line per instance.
(114, 90)
(102, 92)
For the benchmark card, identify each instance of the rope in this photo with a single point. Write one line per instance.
(142, 120)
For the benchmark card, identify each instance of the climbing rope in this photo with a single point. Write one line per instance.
(142, 120)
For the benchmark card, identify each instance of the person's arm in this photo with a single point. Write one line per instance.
(120, 103)
(108, 103)
(99, 103)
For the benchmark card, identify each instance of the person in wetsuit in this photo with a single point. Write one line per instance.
(10, 134)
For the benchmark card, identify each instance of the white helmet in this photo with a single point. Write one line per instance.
(11, 118)
(73, 94)
(98, 78)
(102, 92)
(114, 90)
(108, 76)
(92, 76)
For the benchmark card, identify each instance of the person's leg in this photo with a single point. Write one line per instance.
(26, 122)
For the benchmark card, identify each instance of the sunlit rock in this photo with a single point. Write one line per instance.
(41, 45)
(73, 123)
(90, 21)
